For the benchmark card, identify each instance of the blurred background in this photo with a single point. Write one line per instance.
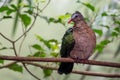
(45, 32)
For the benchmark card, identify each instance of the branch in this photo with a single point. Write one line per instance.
(7, 65)
(36, 59)
(30, 72)
(6, 38)
(45, 6)
(77, 72)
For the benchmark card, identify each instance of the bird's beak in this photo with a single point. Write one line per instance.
(69, 21)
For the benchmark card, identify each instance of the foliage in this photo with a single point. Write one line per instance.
(47, 72)
(16, 67)
(51, 47)
(25, 14)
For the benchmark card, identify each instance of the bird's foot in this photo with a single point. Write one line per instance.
(77, 60)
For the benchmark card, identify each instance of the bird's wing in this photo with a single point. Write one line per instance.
(67, 43)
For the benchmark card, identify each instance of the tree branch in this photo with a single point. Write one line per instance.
(77, 72)
(36, 59)
(74, 71)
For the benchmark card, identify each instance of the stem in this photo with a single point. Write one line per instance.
(30, 72)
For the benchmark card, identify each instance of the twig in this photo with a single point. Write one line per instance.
(14, 48)
(36, 59)
(97, 74)
(26, 30)
(30, 72)
(6, 38)
(45, 6)
(7, 65)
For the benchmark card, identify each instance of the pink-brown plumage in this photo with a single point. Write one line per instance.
(85, 41)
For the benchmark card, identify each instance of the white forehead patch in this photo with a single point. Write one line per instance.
(74, 15)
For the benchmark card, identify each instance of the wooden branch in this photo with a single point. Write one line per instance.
(36, 59)
(77, 72)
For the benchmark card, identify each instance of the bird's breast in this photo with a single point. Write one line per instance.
(84, 44)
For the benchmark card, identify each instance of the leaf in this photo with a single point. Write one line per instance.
(54, 20)
(117, 29)
(99, 32)
(102, 45)
(2, 61)
(99, 48)
(117, 22)
(39, 54)
(53, 40)
(106, 26)
(25, 19)
(105, 42)
(42, 1)
(91, 7)
(47, 72)
(4, 8)
(16, 67)
(29, 12)
(3, 48)
(46, 43)
(54, 54)
(104, 14)
(114, 34)
(14, 7)
(37, 47)
(10, 11)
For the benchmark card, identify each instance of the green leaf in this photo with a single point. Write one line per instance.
(47, 72)
(29, 11)
(117, 22)
(117, 29)
(91, 7)
(39, 54)
(25, 19)
(54, 54)
(46, 43)
(102, 45)
(106, 26)
(10, 11)
(37, 47)
(2, 61)
(114, 34)
(16, 67)
(4, 8)
(42, 1)
(99, 32)
(3, 48)
(105, 42)
(99, 47)
(104, 14)
(14, 7)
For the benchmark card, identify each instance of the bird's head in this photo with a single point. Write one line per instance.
(77, 16)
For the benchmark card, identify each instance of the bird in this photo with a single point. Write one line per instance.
(78, 43)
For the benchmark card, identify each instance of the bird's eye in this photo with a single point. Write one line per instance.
(76, 16)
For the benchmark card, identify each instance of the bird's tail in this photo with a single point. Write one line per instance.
(65, 67)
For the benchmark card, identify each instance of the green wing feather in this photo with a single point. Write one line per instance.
(67, 43)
